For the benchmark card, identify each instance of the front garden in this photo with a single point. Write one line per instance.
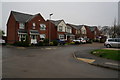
(109, 54)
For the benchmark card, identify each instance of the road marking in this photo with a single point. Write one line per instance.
(21, 48)
(49, 48)
(86, 60)
(111, 63)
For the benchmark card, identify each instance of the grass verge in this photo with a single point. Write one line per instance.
(109, 54)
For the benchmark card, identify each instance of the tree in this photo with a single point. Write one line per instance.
(2, 33)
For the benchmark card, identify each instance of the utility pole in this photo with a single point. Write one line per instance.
(50, 27)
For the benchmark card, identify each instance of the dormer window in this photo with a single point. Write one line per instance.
(33, 26)
(21, 26)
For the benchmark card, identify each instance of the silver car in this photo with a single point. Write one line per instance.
(112, 42)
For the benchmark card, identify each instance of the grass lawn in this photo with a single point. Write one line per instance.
(109, 54)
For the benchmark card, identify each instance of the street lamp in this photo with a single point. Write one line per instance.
(50, 27)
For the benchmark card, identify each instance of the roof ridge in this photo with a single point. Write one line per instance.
(21, 13)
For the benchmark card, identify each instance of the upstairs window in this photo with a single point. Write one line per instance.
(69, 30)
(77, 31)
(42, 27)
(95, 32)
(60, 28)
(33, 26)
(83, 31)
(21, 25)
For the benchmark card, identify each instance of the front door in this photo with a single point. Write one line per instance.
(33, 39)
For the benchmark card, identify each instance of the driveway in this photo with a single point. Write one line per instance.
(52, 62)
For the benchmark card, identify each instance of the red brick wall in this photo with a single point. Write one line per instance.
(89, 33)
(11, 31)
(37, 20)
(52, 29)
(97, 32)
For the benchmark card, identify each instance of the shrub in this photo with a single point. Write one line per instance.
(89, 41)
(46, 42)
(95, 40)
(102, 41)
(40, 43)
(77, 42)
(72, 43)
(51, 43)
(55, 43)
(21, 44)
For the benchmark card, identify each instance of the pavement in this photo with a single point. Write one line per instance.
(97, 61)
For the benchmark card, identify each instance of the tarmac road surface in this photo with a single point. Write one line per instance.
(51, 62)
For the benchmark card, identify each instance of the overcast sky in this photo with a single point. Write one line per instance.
(89, 13)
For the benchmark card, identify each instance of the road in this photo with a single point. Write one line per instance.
(52, 62)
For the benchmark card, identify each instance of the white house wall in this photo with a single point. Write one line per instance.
(83, 29)
(62, 24)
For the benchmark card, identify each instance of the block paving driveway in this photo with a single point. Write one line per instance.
(51, 62)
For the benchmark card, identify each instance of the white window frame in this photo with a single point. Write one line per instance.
(22, 36)
(42, 27)
(21, 26)
(94, 32)
(60, 28)
(61, 36)
(43, 35)
(33, 25)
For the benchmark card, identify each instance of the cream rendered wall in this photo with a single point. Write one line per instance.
(62, 23)
(83, 29)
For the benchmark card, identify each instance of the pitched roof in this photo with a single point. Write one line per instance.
(92, 28)
(55, 22)
(21, 17)
(76, 26)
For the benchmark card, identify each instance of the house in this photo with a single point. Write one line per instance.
(92, 32)
(59, 30)
(20, 25)
(78, 30)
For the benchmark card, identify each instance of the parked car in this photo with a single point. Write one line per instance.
(80, 40)
(112, 42)
(2, 42)
(61, 41)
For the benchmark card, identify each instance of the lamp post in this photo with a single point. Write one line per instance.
(50, 27)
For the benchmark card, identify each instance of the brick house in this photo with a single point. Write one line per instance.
(20, 25)
(59, 30)
(92, 32)
(78, 30)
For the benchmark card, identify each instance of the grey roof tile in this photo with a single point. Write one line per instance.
(56, 22)
(21, 17)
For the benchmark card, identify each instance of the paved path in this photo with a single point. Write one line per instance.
(52, 62)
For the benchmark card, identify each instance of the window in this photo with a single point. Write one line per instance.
(21, 25)
(117, 40)
(111, 40)
(42, 27)
(42, 36)
(69, 30)
(33, 26)
(83, 32)
(60, 28)
(78, 32)
(33, 36)
(22, 37)
(95, 32)
(61, 36)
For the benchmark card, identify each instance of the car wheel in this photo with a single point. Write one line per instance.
(108, 46)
